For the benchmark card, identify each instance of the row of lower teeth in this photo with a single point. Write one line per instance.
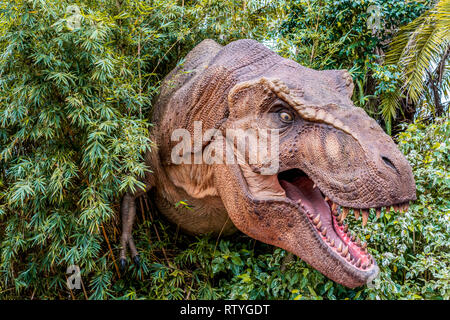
(343, 250)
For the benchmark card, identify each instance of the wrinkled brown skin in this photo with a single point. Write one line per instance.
(335, 143)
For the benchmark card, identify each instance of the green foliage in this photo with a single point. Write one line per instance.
(335, 35)
(72, 138)
(428, 150)
(422, 48)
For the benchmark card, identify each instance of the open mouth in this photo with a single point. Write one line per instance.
(328, 217)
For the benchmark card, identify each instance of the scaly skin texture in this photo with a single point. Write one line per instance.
(332, 157)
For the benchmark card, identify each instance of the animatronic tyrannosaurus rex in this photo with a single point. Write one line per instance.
(332, 158)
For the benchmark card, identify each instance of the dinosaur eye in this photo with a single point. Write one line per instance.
(286, 117)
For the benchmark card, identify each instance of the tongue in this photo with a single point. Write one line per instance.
(301, 188)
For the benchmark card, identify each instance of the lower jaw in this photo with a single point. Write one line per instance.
(328, 261)
(339, 240)
(323, 215)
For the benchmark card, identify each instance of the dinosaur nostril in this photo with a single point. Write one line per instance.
(389, 163)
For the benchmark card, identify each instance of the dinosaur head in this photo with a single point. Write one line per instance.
(330, 158)
(305, 156)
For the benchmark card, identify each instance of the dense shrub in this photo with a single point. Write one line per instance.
(336, 34)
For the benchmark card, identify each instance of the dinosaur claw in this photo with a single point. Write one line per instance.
(137, 260)
(122, 264)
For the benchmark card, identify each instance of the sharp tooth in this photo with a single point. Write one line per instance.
(356, 213)
(358, 263)
(344, 213)
(326, 198)
(316, 220)
(378, 213)
(365, 217)
(352, 237)
(339, 249)
(345, 251)
(314, 186)
(335, 210)
(324, 231)
(346, 228)
(364, 245)
(332, 242)
(334, 207)
(299, 201)
(319, 225)
(348, 257)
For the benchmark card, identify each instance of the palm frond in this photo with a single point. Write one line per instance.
(418, 48)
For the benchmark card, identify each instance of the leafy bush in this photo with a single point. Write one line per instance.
(335, 34)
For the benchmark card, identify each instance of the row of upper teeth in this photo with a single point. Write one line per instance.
(343, 250)
(342, 212)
